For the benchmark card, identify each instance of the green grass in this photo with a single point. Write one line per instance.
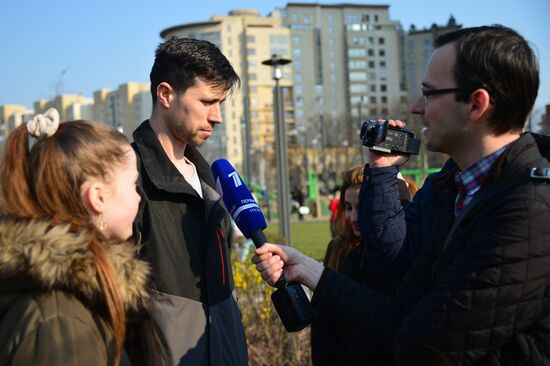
(309, 237)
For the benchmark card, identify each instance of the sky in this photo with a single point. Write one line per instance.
(50, 47)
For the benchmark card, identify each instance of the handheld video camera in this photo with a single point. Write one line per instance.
(381, 137)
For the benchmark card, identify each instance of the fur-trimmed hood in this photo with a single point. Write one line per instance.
(56, 258)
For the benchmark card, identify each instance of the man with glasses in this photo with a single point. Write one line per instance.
(474, 245)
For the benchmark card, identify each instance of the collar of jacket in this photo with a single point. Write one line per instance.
(35, 255)
(160, 170)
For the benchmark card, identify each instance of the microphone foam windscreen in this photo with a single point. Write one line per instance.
(237, 198)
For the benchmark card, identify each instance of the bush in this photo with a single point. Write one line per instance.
(268, 342)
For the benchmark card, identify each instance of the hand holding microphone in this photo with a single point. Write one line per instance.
(289, 299)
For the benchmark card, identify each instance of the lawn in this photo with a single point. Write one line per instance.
(310, 237)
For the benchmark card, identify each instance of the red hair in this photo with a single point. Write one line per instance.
(44, 182)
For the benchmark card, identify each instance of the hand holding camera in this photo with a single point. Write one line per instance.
(389, 141)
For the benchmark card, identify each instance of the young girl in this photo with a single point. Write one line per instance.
(67, 273)
(332, 344)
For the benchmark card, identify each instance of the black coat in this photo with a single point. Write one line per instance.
(480, 296)
(187, 239)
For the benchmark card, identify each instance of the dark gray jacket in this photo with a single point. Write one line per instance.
(186, 239)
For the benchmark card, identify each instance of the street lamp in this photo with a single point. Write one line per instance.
(281, 147)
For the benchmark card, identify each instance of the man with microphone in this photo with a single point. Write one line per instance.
(474, 245)
(184, 226)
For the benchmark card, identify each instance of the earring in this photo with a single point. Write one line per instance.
(102, 224)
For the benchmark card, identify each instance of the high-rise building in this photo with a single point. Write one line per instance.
(246, 39)
(418, 49)
(118, 109)
(12, 116)
(347, 64)
(61, 103)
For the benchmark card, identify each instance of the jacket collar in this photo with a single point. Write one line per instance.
(54, 258)
(160, 170)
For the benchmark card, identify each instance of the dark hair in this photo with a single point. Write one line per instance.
(499, 60)
(180, 61)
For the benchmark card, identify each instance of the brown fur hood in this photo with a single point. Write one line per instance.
(54, 258)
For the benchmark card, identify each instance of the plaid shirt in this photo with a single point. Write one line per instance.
(469, 181)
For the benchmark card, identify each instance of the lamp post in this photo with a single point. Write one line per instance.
(281, 147)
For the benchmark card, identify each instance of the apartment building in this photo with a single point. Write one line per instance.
(124, 108)
(418, 49)
(12, 116)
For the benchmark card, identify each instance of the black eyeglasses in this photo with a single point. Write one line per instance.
(429, 92)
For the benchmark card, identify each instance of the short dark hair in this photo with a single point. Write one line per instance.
(180, 61)
(499, 60)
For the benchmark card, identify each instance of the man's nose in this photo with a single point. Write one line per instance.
(215, 113)
(417, 106)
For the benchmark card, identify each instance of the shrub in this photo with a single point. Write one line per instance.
(268, 342)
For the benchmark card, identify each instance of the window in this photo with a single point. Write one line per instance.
(373, 88)
(298, 65)
(381, 53)
(297, 52)
(382, 64)
(251, 51)
(298, 77)
(251, 39)
(371, 64)
(384, 100)
(251, 76)
(306, 19)
(296, 40)
(383, 87)
(357, 52)
(351, 19)
(330, 18)
(365, 18)
(371, 52)
(251, 63)
(357, 64)
(381, 40)
(358, 88)
(376, 17)
(372, 100)
(357, 76)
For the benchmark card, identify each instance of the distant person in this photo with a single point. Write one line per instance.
(333, 208)
(476, 291)
(300, 197)
(67, 270)
(185, 229)
(333, 343)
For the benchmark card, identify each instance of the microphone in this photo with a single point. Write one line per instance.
(239, 202)
(289, 299)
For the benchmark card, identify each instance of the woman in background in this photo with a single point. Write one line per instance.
(333, 344)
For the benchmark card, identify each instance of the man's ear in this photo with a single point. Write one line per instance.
(480, 105)
(93, 195)
(165, 94)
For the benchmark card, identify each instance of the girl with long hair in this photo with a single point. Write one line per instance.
(68, 272)
(333, 344)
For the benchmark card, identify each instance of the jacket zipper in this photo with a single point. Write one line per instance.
(218, 234)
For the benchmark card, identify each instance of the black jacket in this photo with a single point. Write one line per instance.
(481, 295)
(346, 344)
(186, 239)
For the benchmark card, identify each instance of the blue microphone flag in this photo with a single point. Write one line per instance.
(237, 198)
